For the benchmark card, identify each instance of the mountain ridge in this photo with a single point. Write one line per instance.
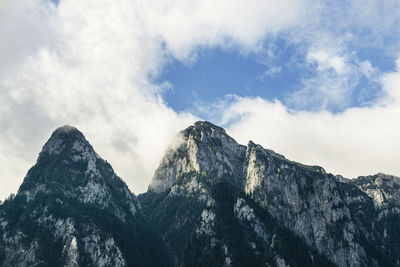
(305, 199)
(212, 201)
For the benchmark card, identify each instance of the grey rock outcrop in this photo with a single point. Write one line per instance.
(308, 201)
(337, 216)
(203, 147)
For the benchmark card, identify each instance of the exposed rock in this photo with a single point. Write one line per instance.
(212, 202)
(73, 210)
(203, 147)
(313, 204)
(308, 201)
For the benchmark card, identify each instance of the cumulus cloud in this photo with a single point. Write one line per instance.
(358, 141)
(334, 45)
(336, 73)
(88, 63)
(184, 25)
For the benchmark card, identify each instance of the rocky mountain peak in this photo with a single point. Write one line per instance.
(69, 141)
(206, 128)
(203, 148)
(206, 133)
(82, 213)
(212, 202)
(384, 189)
(69, 166)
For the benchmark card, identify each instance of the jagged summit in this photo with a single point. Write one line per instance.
(68, 165)
(202, 130)
(212, 202)
(203, 147)
(207, 126)
(65, 138)
(331, 214)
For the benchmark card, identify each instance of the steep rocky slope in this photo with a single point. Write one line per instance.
(333, 218)
(308, 201)
(377, 212)
(72, 210)
(212, 202)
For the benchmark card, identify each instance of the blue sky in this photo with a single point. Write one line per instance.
(216, 73)
(317, 81)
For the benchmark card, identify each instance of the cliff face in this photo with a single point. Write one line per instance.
(212, 202)
(197, 202)
(306, 200)
(332, 215)
(377, 211)
(201, 148)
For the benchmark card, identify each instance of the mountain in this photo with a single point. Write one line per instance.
(216, 202)
(212, 202)
(73, 210)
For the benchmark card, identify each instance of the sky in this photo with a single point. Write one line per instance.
(316, 81)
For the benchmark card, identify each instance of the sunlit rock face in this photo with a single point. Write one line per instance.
(318, 207)
(203, 147)
(308, 201)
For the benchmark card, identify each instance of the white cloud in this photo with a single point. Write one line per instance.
(185, 25)
(333, 72)
(358, 141)
(87, 63)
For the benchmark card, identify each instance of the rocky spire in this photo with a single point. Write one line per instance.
(68, 165)
(203, 147)
(67, 140)
(82, 213)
